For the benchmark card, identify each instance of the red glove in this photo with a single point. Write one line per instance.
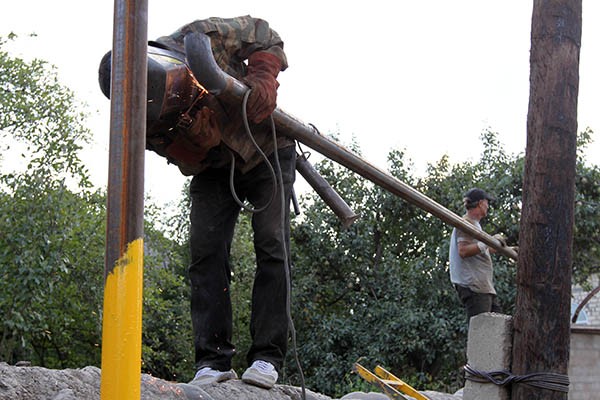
(263, 69)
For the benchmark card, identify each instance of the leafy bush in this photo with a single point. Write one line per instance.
(380, 290)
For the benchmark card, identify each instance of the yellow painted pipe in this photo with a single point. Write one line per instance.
(122, 326)
(123, 268)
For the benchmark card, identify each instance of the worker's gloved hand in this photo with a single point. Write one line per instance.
(501, 238)
(515, 249)
(263, 69)
(192, 143)
(205, 130)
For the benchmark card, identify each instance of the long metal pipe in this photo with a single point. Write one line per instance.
(326, 192)
(213, 79)
(123, 270)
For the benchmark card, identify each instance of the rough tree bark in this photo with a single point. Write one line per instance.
(542, 327)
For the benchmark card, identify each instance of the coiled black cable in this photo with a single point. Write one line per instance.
(542, 380)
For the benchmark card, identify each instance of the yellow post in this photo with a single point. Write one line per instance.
(122, 327)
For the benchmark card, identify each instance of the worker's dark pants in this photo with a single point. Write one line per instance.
(213, 218)
(477, 303)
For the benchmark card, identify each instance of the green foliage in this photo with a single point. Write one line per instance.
(380, 289)
(51, 258)
(167, 342)
(367, 291)
(51, 244)
(42, 115)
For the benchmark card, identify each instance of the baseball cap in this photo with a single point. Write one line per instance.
(474, 195)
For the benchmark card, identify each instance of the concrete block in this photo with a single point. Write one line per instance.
(489, 348)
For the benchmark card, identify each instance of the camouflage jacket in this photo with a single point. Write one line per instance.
(232, 42)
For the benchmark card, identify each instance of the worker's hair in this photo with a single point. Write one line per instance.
(469, 204)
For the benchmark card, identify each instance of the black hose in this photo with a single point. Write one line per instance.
(262, 154)
(277, 180)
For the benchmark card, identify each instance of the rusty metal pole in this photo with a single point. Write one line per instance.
(123, 274)
(326, 192)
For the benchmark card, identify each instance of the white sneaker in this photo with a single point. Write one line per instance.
(207, 375)
(261, 373)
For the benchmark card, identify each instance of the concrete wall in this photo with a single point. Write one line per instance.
(584, 363)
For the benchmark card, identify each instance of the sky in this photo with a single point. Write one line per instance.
(427, 77)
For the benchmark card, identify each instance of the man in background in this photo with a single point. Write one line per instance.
(471, 269)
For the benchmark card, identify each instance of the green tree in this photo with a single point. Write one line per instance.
(167, 344)
(380, 289)
(367, 291)
(51, 241)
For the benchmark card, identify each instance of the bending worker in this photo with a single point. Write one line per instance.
(215, 209)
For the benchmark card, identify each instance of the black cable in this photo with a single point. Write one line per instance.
(542, 380)
(262, 154)
(277, 180)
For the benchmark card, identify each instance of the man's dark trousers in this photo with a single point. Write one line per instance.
(213, 218)
(477, 303)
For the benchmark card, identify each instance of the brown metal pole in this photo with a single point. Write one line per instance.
(212, 78)
(123, 271)
(541, 322)
(326, 192)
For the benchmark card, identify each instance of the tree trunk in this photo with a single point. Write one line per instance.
(542, 323)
